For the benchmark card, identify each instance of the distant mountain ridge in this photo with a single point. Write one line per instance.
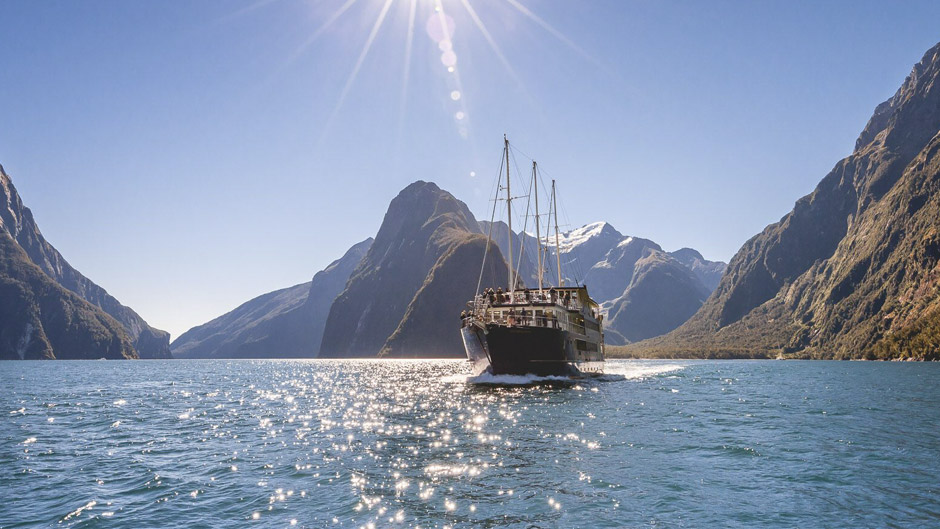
(26, 241)
(284, 323)
(401, 296)
(854, 270)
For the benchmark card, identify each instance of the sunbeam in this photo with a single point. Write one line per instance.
(492, 43)
(409, 40)
(362, 57)
(323, 27)
(555, 33)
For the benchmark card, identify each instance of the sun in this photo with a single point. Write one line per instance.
(438, 20)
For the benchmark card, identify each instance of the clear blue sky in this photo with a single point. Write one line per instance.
(188, 156)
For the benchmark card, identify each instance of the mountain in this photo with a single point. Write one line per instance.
(17, 221)
(39, 319)
(643, 290)
(663, 293)
(405, 297)
(523, 247)
(708, 272)
(854, 270)
(285, 323)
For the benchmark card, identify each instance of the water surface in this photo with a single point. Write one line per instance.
(416, 444)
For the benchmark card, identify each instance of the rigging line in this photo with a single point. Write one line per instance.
(551, 202)
(577, 268)
(525, 224)
(489, 231)
(545, 246)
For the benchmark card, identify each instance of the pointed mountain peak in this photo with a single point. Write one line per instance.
(417, 205)
(594, 230)
(687, 255)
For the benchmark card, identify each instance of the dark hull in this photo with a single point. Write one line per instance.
(541, 351)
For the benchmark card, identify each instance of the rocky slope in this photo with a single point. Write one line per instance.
(708, 272)
(854, 270)
(663, 293)
(39, 319)
(404, 298)
(17, 221)
(287, 323)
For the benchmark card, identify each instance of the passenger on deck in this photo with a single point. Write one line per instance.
(512, 317)
(567, 299)
(499, 295)
(522, 317)
(553, 295)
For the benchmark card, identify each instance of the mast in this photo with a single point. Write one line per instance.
(512, 280)
(557, 245)
(538, 236)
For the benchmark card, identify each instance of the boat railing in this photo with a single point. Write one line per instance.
(482, 301)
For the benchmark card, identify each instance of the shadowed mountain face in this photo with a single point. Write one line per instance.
(663, 293)
(405, 297)
(852, 271)
(287, 323)
(39, 319)
(17, 221)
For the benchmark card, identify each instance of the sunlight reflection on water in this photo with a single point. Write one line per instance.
(423, 444)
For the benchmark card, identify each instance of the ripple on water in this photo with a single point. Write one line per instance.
(376, 444)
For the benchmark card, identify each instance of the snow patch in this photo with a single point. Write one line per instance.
(570, 239)
(625, 242)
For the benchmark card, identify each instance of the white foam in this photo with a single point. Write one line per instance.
(613, 371)
(639, 369)
(503, 380)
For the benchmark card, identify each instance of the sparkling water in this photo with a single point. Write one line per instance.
(420, 444)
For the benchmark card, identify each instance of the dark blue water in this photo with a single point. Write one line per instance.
(413, 444)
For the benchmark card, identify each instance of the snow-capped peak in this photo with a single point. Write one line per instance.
(576, 237)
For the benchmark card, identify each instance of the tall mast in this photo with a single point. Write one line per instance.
(512, 280)
(557, 245)
(538, 236)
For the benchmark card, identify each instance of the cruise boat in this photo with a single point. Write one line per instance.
(542, 330)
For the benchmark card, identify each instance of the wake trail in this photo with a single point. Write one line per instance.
(613, 372)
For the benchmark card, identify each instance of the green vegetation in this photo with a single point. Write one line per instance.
(854, 270)
(39, 319)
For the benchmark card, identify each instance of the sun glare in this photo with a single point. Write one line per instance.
(439, 20)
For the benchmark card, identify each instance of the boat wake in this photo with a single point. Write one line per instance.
(613, 372)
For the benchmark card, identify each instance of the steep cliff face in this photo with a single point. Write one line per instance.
(853, 269)
(39, 319)
(429, 327)
(17, 220)
(287, 323)
(413, 282)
